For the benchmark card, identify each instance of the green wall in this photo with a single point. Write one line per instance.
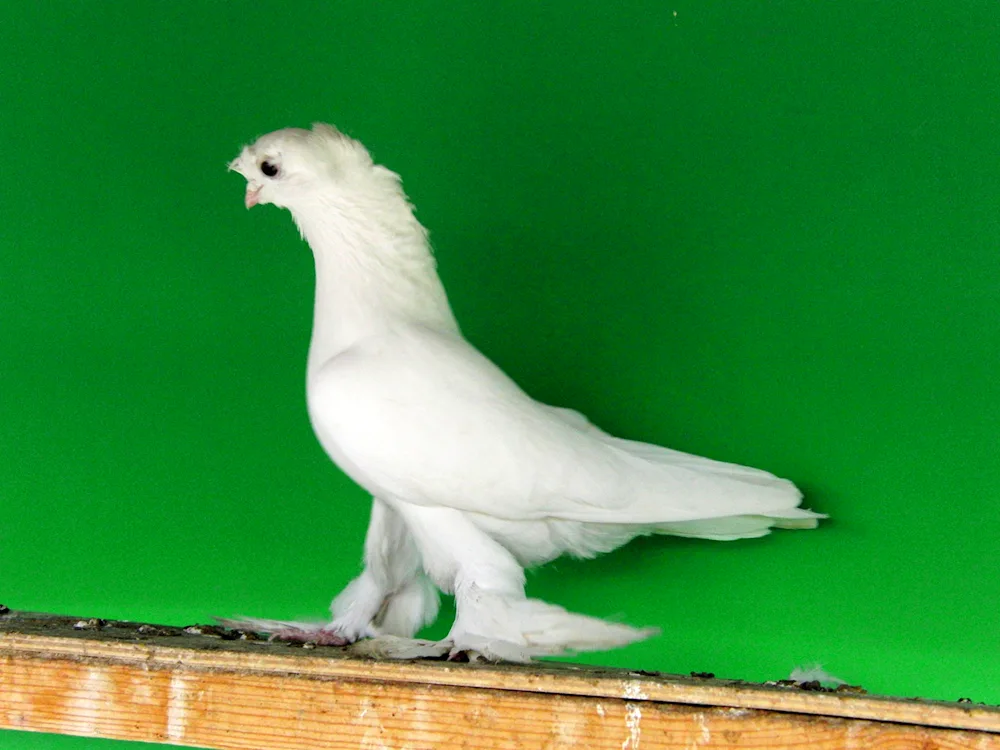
(763, 232)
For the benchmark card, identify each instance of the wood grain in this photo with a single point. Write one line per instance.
(204, 692)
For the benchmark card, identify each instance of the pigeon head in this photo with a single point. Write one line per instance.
(289, 167)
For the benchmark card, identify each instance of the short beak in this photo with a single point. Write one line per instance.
(251, 198)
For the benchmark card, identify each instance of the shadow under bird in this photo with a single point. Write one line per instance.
(471, 479)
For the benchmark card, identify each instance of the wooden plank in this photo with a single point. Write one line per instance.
(170, 687)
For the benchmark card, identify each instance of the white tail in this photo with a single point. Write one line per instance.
(730, 528)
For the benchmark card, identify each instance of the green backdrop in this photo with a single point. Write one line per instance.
(763, 232)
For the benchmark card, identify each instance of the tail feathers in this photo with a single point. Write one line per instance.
(735, 527)
(719, 529)
(796, 518)
(730, 528)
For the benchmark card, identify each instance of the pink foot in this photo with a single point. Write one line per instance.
(293, 632)
(321, 636)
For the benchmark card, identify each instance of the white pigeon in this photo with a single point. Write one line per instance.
(471, 479)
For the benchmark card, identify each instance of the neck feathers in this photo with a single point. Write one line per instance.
(374, 266)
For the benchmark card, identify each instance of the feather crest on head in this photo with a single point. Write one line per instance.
(341, 151)
(294, 165)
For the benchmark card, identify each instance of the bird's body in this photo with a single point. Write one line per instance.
(472, 480)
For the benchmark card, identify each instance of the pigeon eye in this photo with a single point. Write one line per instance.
(268, 168)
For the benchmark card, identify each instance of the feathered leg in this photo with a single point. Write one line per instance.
(392, 596)
(494, 618)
